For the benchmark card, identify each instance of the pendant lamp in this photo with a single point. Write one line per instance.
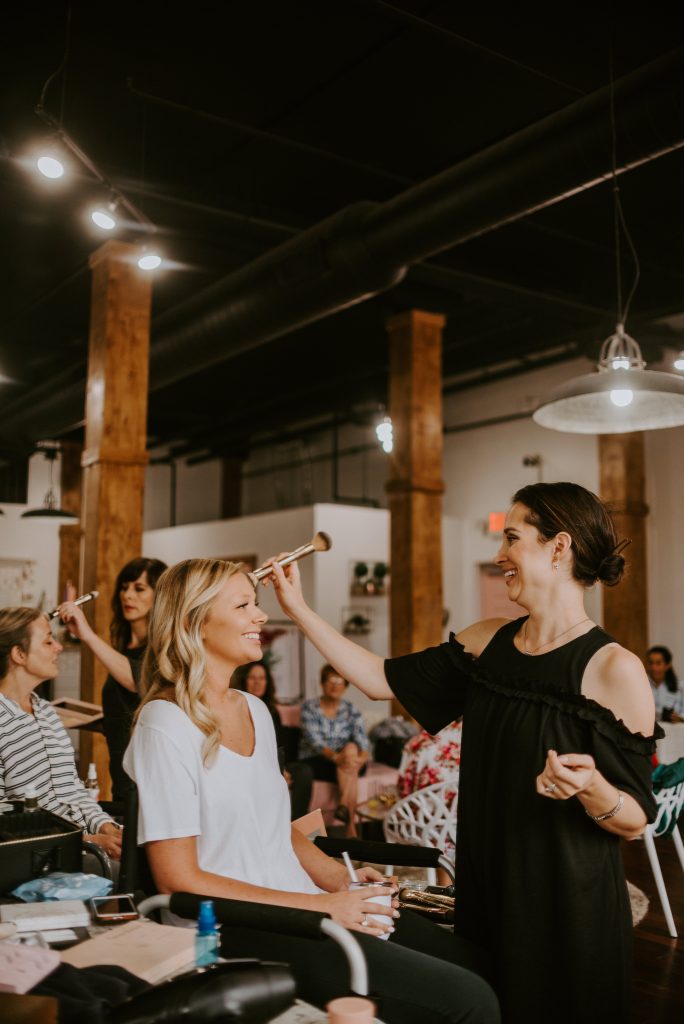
(622, 395)
(49, 508)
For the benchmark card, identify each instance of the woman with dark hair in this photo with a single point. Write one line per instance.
(558, 733)
(256, 678)
(668, 692)
(131, 605)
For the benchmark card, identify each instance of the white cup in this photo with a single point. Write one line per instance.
(386, 900)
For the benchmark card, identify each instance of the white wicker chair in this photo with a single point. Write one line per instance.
(670, 802)
(426, 817)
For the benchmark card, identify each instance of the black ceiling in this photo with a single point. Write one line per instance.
(237, 126)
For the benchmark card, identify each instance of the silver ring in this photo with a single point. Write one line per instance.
(364, 922)
(551, 789)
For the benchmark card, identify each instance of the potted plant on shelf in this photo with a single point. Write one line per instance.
(360, 575)
(357, 625)
(380, 571)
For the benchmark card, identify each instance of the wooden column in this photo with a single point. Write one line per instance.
(115, 455)
(415, 484)
(625, 607)
(70, 500)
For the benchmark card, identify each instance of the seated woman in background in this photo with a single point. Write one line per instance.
(34, 747)
(668, 692)
(334, 742)
(256, 678)
(214, 815)
(131, 603)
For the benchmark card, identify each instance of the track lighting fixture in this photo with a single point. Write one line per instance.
(384, 434)
(50, 166)
(149, 260)
(103, 216)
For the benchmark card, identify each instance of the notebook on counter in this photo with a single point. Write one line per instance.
(37, 917)
(150, 951)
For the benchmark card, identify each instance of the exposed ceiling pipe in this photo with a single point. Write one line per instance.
(366, 247)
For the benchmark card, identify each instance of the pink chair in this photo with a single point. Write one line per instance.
(325, 795)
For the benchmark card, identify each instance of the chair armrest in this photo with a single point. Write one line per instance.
(286, 920)
(101, 856)
(381, 853)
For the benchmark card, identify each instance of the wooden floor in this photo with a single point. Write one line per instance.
(658, 959)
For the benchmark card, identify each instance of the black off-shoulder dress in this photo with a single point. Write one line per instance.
(538, 883)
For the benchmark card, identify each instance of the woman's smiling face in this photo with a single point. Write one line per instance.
(232, 628)
(524, 557)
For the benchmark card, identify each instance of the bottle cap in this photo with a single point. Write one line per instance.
(92, 770)
(30, 793)
(206, 922)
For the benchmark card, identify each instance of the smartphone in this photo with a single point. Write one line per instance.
(113, 909)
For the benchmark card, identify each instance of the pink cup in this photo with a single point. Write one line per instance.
(351, 1010)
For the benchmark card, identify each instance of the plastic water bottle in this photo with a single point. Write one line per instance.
(91, 783)
(207, 936)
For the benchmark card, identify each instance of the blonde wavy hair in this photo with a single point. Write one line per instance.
(174, 666)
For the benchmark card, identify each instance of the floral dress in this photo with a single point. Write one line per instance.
(429, 759)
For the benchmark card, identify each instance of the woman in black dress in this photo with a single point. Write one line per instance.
(558, 729)
(131, 605)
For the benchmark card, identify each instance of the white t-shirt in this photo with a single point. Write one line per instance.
(239, 807)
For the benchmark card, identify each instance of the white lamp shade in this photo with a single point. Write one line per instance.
(584, 406)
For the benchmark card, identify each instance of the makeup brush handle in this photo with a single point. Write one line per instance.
(305, 549)
(79, 600)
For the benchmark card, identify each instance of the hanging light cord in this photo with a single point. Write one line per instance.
(58, 125)
(619, 223)
(61, 70)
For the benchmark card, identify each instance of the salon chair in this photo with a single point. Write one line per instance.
(135, 877)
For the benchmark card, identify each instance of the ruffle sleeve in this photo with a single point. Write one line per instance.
(623, 757)
(433, 684)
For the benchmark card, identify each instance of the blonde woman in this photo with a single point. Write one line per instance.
(214, 808)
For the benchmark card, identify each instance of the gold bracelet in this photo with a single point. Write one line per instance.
(609, 814)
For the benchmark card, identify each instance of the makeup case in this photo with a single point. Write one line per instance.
(35, 843)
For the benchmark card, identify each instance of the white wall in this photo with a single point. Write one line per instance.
(33, 540)
(358, 535)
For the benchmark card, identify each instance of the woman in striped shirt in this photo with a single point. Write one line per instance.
(34, 747)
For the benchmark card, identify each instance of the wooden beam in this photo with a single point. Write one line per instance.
(415, 484)
(115, 455)
(622, 469)
(70, 534)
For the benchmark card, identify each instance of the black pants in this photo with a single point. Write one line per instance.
(325, 770)
(300, 790)
(422, 974)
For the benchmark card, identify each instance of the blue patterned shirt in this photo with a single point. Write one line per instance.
(319, 731)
